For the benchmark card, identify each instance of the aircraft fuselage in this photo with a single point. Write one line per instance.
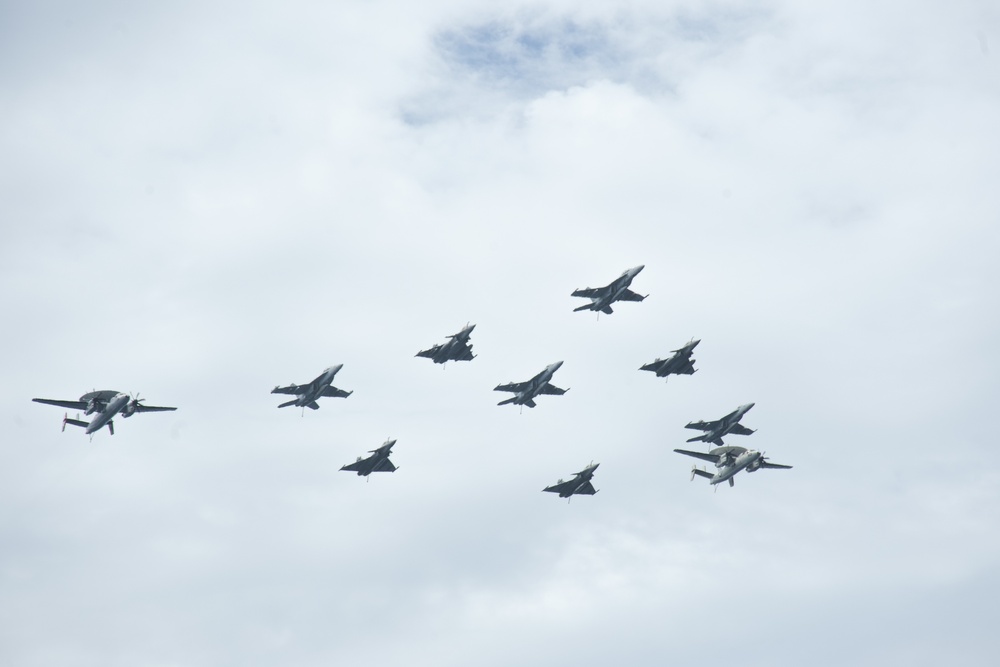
(114, 406)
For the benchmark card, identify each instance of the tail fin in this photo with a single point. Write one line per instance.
(74, 422)
(700, 473)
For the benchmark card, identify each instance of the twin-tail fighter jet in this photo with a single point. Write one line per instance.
(680, 363)
(714, 430)
(377, 462)
(729, 461)
(306, 394)
(602, 297)
(526, 392)
(104, 405)
(579, 485)
(456, 349)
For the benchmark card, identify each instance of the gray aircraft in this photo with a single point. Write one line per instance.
(714, 430)
(104, 405)
(579, 485)
(306, 394)
(602, 297)
(377, 462)
(729, 461)
(525, 392)
(680, 363)
(456, 349)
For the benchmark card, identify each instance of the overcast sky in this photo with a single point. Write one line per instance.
(201, 202)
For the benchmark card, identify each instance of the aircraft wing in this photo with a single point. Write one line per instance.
(765, 464)
(703, 425)
(358, 466)
(587, 489)
(385, 465)
(629, 295)
(740, 429)
(512, 386)
(591, 292)
(74, 405)
(292, 389)
(713, 458)
(560, 488)
(549, 388)
(151, 408)
(429, 353)
(330, 390)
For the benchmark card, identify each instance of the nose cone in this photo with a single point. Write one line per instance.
(554, 367)
(469, 328)
(637, 269)
(333, 370)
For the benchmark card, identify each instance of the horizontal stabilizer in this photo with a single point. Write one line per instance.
(285, 405)
(312, 405)
(509, 400)
(607, 310)
(74, 422)
(530, 403)
(584, 307)
(701, 473)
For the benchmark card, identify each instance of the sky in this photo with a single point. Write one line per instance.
(202, 201)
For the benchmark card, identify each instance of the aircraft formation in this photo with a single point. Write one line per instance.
(105, 405)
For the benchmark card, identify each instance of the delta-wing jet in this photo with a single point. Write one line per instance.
(680, 363)
(525, 392)
(714, 430)
(729, 461)
(457, 348)
(377, 462)
(618, 290)
(579, 485)
(104, 405)
(306, 394)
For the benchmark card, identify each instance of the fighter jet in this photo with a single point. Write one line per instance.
(729, 461)
(714, 430)
(456, 349)
(104, 405)
(580, 484)
(602, 297)
(306, 394)
(680, 363)
(525, 392)
(377, 462)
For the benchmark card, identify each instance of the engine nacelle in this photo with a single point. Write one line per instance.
(753, 466)
(91, 407)
(128, 410)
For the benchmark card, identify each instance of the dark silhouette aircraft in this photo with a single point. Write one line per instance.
(680, 363)
(579, 485)
(377, 462)
(456, 349)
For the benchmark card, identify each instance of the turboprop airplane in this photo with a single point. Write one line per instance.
(306, 394)
(729, 461)
(602, 297)
(105, 405)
